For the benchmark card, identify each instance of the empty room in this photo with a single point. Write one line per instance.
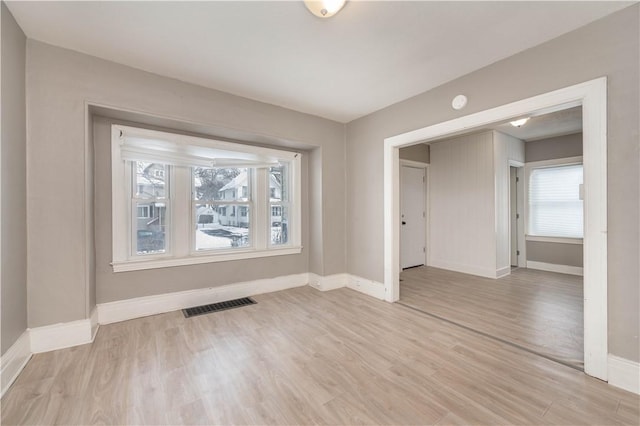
(504, 202)
(320, 212)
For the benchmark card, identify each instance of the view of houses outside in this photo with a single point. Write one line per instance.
(218, 224)
(221, 206)
(150, 198)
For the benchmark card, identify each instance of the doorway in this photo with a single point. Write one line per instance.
(516, 215)
(591, 96)
(413, 245)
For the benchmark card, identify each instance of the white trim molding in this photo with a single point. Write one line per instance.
(471, 269)
(93, 321)
(14, 360)
(60, 336)
(368, 287)
(592, 96)
(503, 272)
(624, 374)
(330, 282)
(559, 240)
(138, 307)
(552, 267)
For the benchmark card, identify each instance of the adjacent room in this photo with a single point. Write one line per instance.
(528, 178)
(319, 212)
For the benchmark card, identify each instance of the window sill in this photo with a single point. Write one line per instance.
(138, 265)
(563, 240)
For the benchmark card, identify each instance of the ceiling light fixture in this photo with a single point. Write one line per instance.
(519, 123)
(324, 8)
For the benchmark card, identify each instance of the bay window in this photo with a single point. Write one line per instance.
(180, 200)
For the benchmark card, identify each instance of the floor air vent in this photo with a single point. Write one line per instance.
(215, 307)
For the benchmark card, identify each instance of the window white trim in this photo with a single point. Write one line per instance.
(562, 240)
(197, 258)
(567, 161)
(592, 95)
(180, 201)
(528, 167)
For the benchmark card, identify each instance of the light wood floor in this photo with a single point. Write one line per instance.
(305, 357)
(538, 310)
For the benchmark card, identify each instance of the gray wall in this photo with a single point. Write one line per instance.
(419, 152)
(556, 253)
(549, 149)
(608, 47)
(124, 285)
(60, 83)
(556, 147)
(14, 201)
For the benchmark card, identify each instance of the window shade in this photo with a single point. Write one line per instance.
(555, 205)
(178, 154)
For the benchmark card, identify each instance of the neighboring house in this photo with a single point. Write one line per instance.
(236, 190)
(151, 216)
(206, 214)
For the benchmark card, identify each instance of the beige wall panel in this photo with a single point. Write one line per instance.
(14, 201)
(556, 253)
(556, 147)
(418, 152)
(461, 205)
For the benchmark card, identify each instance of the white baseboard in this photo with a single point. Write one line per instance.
(624, 374)
(60, 336)
(330, 282)
(503, 272)
(123, 310)
(466, 269)
(552, 267)
(368, 287)
(14, 360)
(93, 319)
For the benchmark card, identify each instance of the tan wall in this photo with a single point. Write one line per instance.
(549, 149)
(14, 200)
(60, 83)
(418, 152)
(608, 47)
(556, 253)
(462, 211)
(557, 147)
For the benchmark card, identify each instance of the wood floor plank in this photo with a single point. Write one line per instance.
(305, 357)
(538, 310)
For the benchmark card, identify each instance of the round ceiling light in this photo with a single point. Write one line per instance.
(519, 123)
(324, 8)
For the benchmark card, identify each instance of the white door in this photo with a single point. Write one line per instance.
(412, 215)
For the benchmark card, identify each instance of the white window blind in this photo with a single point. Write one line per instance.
(555, 202)
(135, 145)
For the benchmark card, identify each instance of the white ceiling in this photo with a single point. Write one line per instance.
(370, 55)
(563, 122)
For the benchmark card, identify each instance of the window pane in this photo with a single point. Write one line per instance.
(222, 227)
(150, 180)
(279, 224)
(555, 207)
(215, 184)
(279, 183)
(151, 227)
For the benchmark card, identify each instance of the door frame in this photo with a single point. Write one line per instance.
(521, 207)
(592, 95)
(425, 166)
